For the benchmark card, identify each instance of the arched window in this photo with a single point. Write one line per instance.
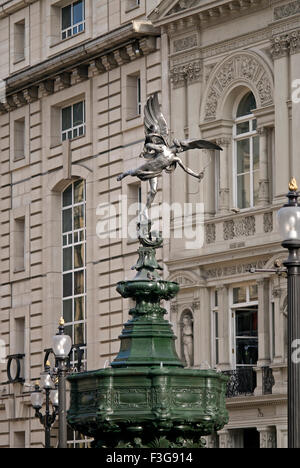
(246, 157)
(74, 261)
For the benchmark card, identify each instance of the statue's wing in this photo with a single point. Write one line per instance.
(154, 121)
(186, 145)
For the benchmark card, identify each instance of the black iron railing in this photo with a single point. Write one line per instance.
(242, 381)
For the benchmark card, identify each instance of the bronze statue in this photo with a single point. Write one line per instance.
(159, 154)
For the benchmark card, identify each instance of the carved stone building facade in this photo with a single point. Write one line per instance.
(77, 76)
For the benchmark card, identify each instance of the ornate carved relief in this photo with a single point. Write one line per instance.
(183, 5)
(187, 73)
(268, 222)
(232, 270)
(285, 11)
(185, 43)
(284, 44)
(244, 227)
(210, 233)
(243, 67)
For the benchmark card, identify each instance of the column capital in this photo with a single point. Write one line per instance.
(280, 46)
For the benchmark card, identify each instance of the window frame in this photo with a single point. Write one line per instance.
(233, 308)
(73, 128)
(215, 340)
(73, 270)
(64, 31)
(237, 137)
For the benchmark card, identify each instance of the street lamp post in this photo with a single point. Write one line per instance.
(37, 400)
(289, 227)
(62, 345)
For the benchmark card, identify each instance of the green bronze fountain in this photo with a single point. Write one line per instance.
(147, 399)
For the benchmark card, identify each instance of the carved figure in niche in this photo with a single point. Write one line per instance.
(187, 338)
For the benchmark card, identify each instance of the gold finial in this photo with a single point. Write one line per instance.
(293, 185)
(48, 364)
(61, 322)
(37, 383)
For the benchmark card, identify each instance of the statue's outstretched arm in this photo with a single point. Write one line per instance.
(188, 170)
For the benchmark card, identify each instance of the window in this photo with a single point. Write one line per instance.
(131, 4)
(134, 96)
(215, 328)
(73, 121)
(19, 39)
(74, 263)
(72, 19)
(19, 440)
(246, 154)
(134, 208)
(245, 316)
(19, 137)
(19, 244)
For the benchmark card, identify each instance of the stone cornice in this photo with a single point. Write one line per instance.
(8, 7)
(96, 56)
(205, 12)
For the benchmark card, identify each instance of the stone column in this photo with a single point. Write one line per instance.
(224, 321)
(267, 437)
(226, 439)
(263, 195)
(224, 192)
(279, 366)
(280, 52)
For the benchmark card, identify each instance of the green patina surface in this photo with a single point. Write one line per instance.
(147, 398)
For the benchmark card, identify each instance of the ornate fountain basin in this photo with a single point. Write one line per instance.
(134, 407)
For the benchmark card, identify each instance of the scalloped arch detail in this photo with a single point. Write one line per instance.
(243, 68)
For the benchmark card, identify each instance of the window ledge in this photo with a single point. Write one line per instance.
(62, 41)
(19, 60)
(130, 9)
(19, 270)
(137, 116)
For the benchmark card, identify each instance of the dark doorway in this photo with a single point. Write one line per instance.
(251, 438)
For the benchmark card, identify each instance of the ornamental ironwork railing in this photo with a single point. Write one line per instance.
(242, 381)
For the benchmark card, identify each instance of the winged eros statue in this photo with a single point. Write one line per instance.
(159, 154)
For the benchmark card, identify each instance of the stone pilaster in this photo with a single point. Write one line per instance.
(226, 440)
(224, 192)
(267, 436)
(263, 194)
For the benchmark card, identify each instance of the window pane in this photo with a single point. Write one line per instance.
(79, 309)
(216, 299)
(79, 191)
(79, 333)
(78, 283)
(67, 196)
(78, 12)
(243, 127)
(67, 285)
(254, 125)
(67, 308)
(243, 156)
(246, 105)
(66, 17)
(239, 295)
(246, 351)
(67, 259)
(68, 331)
(67, 220)
(246, 322)
(253, 292)
(255, 153)
(243, 191)
(66, 118)
(78, 117)
(79, 256)
(78, 217)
